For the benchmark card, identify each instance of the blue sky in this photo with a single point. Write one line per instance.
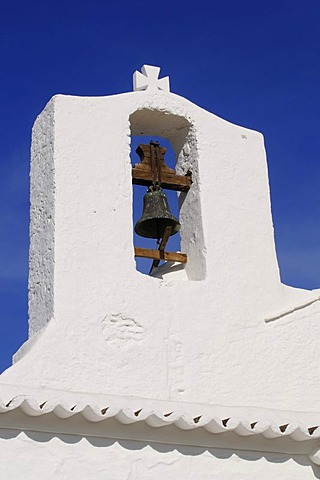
(254, 63)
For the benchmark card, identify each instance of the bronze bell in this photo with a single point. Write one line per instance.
(156, 215)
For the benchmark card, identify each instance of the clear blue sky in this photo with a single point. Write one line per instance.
(255, 63)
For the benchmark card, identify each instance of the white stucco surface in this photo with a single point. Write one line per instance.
(223, 330)
(67, 456)
(113, 329)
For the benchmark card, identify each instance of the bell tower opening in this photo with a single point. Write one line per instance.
(140, 199)
(168, 167)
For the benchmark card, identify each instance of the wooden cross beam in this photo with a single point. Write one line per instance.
(157, 255)
(146, 173)
(161, 254)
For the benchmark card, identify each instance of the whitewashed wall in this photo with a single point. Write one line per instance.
(114, 330)
(32, 455)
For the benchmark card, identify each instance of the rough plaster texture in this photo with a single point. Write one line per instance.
(35, 421)
(198, 340)
(41, 252)
(67, 456)
(196, 335)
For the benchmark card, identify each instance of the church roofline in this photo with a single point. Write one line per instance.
(132, 418)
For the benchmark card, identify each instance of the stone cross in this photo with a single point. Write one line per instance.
(148, 80)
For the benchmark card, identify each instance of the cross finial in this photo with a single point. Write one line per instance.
(148, 80)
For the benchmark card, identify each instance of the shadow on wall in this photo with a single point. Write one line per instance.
(161, 448)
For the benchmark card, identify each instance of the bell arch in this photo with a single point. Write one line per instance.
(181, 134)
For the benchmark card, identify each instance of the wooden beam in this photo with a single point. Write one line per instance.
(153, 169)
(169, 181)
(162, 246)
(160, 255)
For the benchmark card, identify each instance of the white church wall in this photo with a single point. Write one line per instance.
(64, 457)
(116, 330)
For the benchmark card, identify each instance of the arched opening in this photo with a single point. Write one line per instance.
(177, 134)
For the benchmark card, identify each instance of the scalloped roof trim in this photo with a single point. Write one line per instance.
(156, 418)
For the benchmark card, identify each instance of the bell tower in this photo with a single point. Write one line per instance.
(193, 328)
(206, 364)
